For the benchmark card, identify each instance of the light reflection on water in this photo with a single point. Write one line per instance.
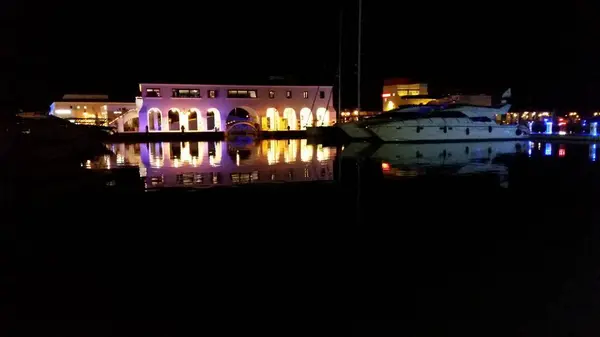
(170, 164)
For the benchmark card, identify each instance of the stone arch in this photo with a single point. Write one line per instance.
(253, 113)
(213, 119)
(306, 118)
(243, 114)
(194, 122)
(174, 119)
(323, 117)
(154, 119)
(272, 116)
(132, 124)
(291, 120)
(129, 115)
(246, 128)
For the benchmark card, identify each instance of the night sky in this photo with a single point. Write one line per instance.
(546, 53)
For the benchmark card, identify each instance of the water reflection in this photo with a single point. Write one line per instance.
(222, 163)
(548, 149)
(409, 160)
(246, 161)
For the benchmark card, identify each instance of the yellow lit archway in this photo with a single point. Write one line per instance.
(322, 117)
(272, 120)
(306, 118)
(213, 119)
(290, 117)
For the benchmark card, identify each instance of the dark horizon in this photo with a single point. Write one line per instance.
(59, 48)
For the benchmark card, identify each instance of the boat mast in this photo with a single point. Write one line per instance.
(339, 109)
(359, 51)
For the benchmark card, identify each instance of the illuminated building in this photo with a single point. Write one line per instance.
(203, 107)
(89, 109)
(402, 91)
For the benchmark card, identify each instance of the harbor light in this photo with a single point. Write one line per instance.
(594, 128)
(62, 111)
(548, 127)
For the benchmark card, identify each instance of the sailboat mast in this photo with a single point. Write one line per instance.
(359, 51)
(339, 109)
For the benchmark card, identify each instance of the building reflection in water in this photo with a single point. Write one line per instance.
(222, 163)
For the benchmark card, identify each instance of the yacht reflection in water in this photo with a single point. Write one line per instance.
(202, 164)
(409, 160)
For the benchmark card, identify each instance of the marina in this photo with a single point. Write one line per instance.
(293, 165)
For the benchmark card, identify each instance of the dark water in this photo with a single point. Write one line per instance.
(495, 239)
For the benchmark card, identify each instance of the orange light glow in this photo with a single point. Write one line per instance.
(385, 167)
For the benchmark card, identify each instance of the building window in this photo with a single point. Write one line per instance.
(304, 94)
(321, 94)
(288, 94)
(242, 94)
(413, 92)
(152, 92)
(271, 94)
(186, 93)
(212, 94)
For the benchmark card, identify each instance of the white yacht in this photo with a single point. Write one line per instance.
(454, 122)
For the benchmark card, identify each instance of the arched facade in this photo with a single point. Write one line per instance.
(306, 118)
(132, 125)
(154, 120)
(174, 120)
(322, 117)
(194, 123)
(290, 119)
(273, 108)
(272, 121)
(213, 120)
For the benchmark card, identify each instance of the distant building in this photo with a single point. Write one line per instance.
(90, 109)
(401, 91)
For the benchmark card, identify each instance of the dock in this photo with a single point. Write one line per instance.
(580, 138)
(155, 137)
(328, 134)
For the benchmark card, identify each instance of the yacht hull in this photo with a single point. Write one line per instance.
(354, 131)
(392, 132)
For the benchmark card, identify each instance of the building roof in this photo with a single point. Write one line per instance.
(421, 96)
(400, 80)
(84, 97)
(248, 81)
(93, 98)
